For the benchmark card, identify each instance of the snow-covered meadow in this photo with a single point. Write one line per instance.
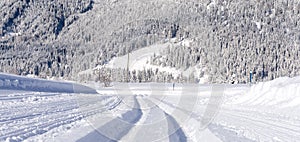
(42, 110)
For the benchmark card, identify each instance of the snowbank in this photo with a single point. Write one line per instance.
(13, 82)
(279, 93)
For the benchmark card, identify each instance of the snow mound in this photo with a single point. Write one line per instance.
(282, 92)
(13, 82)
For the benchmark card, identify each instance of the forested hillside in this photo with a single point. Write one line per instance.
(229, 39)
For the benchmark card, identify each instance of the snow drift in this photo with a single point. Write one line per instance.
(280, 93)
(13, 82)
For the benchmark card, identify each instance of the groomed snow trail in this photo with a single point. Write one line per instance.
(156, 125)
(36, 113)
(115, 129)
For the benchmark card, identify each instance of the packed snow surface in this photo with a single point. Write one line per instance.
(42, 110)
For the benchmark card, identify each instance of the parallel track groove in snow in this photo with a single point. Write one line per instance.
(60, 113)
(115, 129)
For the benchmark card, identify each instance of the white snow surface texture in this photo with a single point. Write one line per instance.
(43, 110)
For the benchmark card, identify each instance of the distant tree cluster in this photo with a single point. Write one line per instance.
(232, 38)
(178, 56)
(47, 61)
(107, 75)
(259, 36)
(28, 33)
(41, 20)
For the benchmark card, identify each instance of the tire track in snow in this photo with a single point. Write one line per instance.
(150, 127)
(211, 126)
(284, 131)
(175, 133)
(115, 129)
(155, 125)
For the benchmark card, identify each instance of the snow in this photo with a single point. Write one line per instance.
(54, 111)
(258, 25)
(30, 84)
(266, 112)
(211, 4)
(139, 59)
(283, 91)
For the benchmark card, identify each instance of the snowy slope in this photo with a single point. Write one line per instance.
(140, 59)
(268, 111)
(280, 93)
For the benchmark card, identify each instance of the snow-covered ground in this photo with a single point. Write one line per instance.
(41, 110)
